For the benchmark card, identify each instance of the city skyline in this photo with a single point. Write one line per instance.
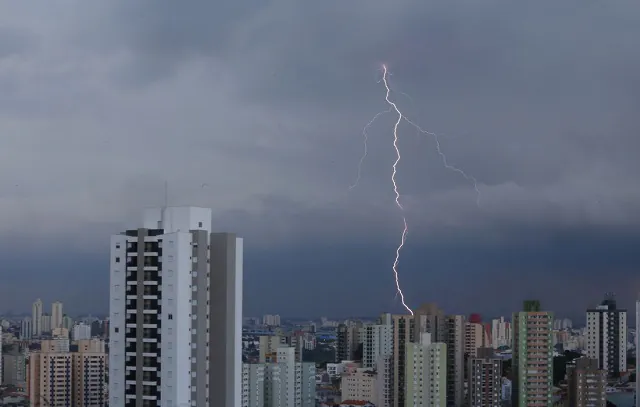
(579, 318)
(257, 110)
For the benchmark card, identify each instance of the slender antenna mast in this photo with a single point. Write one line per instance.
(166, 194)
(162, 224)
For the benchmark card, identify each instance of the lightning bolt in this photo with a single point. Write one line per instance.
(445, 162)
(395, 186)
(443, 157)
(365, 136)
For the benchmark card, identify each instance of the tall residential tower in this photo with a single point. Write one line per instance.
(607, 336)
(172, 283)
(532, 360)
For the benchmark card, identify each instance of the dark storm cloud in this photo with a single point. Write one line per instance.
(265, 102)
(14, 41)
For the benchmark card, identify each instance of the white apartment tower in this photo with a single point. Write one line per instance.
(36, 318)
(253, 385)
(56, 315)
(377, 341)
(172, 283)
(289, 383)
(607, 336)
(377, 351)
(81, 331)
(26, 328)
(426, 373)
(500, 333)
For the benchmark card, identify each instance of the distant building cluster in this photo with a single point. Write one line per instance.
(176, 337)
(53, 360)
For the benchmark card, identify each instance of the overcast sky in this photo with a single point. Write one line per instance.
(256, 109)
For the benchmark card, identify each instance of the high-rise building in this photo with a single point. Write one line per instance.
(14, 365)
(56, 315)
(474, 338)
(49, 381)
(89, 374)
(408, 329)
(454, 339)
(426, 373)
(58, 377)
(403, 334)
(36, 318)
(253, 385)
(485, 379)
(26, 328)
(607, 336)
(429, 318)
(377, 350)
(347, 340)
(289, 383)
(532, 358)
(173, 279)
(271, 320)
(81, 331)
(587, 383)
(268, 347)
(67, 322)
(500, 333)
(377, 341)
(360, 385)
(46, 323)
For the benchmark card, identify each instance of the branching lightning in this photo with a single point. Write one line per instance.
(365, 135)
(445, 162)
(401, 117)
(395, 187)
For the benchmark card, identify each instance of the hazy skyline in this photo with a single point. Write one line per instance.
(264, 102)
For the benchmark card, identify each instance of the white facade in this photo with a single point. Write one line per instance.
(384, 385)
(289, 383)
(360, 385)
(81, 331)
(253, 384)
(271, 320)
(26, 326)
(500, 333)
(172, 296)
(377, 342)
(56, 315)
(36, 318)
(46, 323)
(377, 348)
(426, 373)
(607, 338)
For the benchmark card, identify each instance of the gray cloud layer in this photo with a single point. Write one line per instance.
(265, 103)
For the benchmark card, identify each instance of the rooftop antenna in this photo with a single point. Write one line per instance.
(162, 224)
(166, 194)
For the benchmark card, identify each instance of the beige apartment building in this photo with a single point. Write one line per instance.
(475, 337)
(360, 385)
(59, 378)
